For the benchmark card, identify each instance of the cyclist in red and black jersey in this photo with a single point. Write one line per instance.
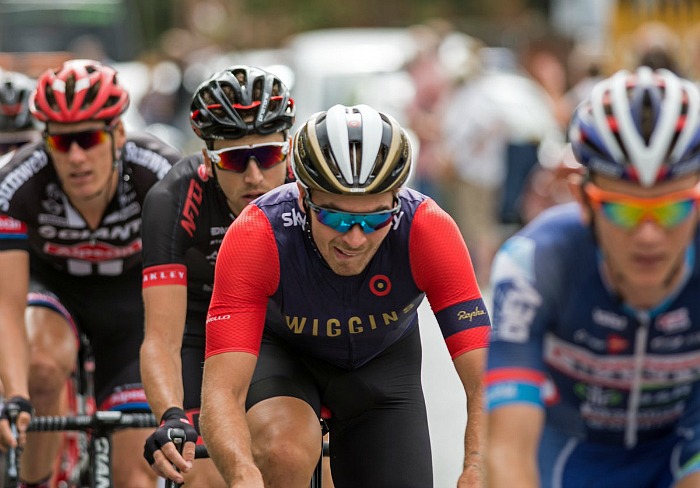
(346, 255)
(243, 114)
(70, 221)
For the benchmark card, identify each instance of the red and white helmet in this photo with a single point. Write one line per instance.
(78, 91)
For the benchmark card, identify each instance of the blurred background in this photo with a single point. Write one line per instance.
(485, 87)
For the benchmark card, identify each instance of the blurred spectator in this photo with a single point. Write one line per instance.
(547, 181)
(160, 103)
(546, 69)
(474, 136)
(423, 116)
(89, 46)
(494, 120)
(656, 45)
(585, 68)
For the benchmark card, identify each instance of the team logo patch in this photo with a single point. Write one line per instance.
(674, 321)
(202, 172)
(617, 344)
(380, 285)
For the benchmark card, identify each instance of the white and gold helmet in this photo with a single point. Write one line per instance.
(351, 151)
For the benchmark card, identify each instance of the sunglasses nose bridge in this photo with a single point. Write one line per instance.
(75, 150)
(355, 236)
(253, 169)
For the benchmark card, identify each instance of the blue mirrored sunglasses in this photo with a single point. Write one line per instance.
(344, 221)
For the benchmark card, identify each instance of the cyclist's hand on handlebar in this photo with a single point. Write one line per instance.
(162, 454)
(19, 410)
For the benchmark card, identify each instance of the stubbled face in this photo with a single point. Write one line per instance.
(242, 188)
(644, 263)
(86, 174)
(348, 253)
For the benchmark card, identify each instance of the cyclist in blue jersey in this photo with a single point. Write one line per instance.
(70, 254)
(243, 114)
(594, 365)
(346, 255)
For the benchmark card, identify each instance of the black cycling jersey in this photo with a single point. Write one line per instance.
(37, 216)
(186, 215)
(89, 276)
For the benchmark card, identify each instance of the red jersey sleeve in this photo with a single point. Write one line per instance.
(247, 274)
(442, 268)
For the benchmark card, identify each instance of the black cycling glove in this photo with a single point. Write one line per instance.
(16, 405)
(173, 418)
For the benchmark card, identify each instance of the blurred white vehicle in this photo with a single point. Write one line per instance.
(351, 66)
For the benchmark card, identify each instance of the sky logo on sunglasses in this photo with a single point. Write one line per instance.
(86, 140)
(236, 158)
(628, 212)
(344, 221)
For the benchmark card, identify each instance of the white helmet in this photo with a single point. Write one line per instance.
(642, 126)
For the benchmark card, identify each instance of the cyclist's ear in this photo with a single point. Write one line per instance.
(575, 183)
(302, 195)
(119, 134)
(207, 163)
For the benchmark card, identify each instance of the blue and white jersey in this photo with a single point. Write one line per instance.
(563, 340)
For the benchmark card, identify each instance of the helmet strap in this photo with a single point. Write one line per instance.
(307, 227)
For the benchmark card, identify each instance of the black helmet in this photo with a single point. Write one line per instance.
(239, 101)
(15, 89)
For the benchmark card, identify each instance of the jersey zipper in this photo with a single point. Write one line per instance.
(634, 400)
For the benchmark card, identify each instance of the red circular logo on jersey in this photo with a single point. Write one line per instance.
(380, 285)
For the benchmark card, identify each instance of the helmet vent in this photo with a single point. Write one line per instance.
(647, 119)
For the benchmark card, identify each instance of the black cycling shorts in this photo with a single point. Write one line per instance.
(378, 426)
(109, 311)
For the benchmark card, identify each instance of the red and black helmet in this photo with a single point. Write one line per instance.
(78, 91)
(241, 100)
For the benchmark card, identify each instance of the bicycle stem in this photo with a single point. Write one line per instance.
(14, 453)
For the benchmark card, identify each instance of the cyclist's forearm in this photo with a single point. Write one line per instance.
(161, 363)
(226, 435)
(14, 345)
(223, 417)
(14, 357)
(161, 373)
(470, 368)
